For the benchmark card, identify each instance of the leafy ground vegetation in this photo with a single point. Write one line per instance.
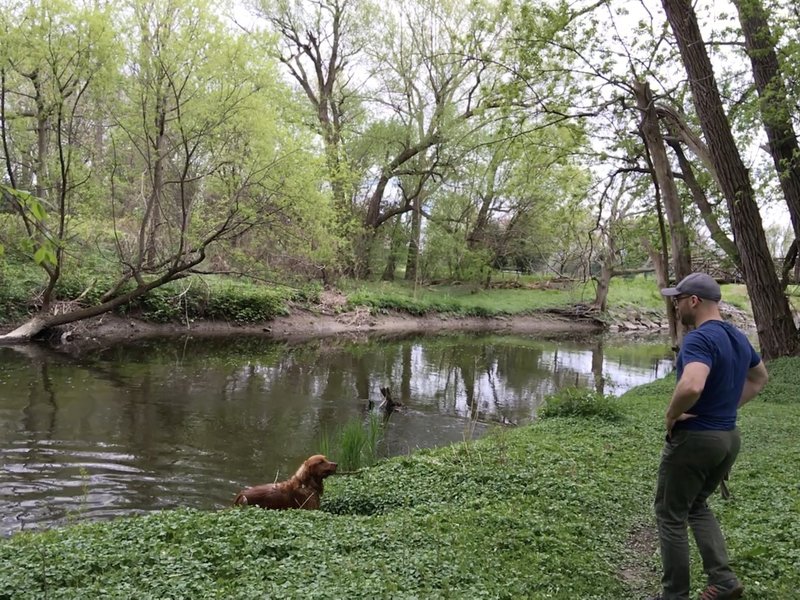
(237, 301)
(559, 509)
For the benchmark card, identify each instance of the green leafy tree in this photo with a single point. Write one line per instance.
(200, 150)
(56, 61)
(777, 332)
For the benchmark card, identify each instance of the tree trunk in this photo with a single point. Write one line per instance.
(679, 242)
(678, 127)
(597, 368)
(776, 110)
(40, 322)
(662, 280)
(603, 283)
(396, 240)
(700, 200)
(777, 333)
(391, 265)
(413, 246)
(477, 236)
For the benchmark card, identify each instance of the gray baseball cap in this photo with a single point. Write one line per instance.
(696, 284)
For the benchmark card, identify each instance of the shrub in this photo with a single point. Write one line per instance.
(244, 304)
(576, 402)
(237, 303)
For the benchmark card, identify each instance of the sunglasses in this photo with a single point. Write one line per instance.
(679, 297)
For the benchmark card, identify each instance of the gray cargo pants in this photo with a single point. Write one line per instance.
(692, 465)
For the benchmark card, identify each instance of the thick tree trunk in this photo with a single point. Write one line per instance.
(776, 110)
(700, 200)
(777, 333)
(396, 242)
(603, 284)
(597, 368)
(391, 265)
(679, 242)
(477, 236)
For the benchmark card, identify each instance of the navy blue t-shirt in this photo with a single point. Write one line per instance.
(729, 355)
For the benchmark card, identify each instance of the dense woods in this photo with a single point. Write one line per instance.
(292, 141)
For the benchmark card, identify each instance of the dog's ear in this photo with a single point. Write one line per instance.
(316, 463)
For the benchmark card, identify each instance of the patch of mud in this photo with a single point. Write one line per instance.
(326, 320)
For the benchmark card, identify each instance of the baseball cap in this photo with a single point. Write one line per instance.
(696, 284)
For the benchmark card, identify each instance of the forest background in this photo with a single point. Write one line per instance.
(172, 149)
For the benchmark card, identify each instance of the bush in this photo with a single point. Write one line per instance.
(576, 402)
(237, 303)
(244, 304)
(18, 286)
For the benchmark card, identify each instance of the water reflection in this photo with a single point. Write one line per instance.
(162, 424)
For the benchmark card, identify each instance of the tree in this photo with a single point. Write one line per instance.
(776, 330)
(432, 81)
(199, 152)
(55, 58)
(776, 111)
(662, 176)
(319, 43)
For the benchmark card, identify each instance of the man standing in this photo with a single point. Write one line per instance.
(718, 371)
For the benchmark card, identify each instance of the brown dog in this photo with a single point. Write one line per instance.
(303, 490)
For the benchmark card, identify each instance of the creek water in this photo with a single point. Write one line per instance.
(161, 424)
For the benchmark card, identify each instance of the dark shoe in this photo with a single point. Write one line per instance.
(731, 590)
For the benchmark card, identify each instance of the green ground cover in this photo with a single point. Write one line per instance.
(240, 301)
(559, 509)
(639, 292)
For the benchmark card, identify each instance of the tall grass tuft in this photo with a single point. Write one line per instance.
(326, 444)
(355, 445)
(352, 439)
(374, 432)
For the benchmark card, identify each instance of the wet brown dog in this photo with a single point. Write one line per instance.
(303, 490)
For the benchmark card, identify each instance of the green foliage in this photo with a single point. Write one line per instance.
(640, 291)
(355, 445)
(226, 301)
(244, 305)
(578, 402)
(18, 285)
(401, 303)
(40, 246)
(464, 300)
(536, 504)
(736, 294)
(784, 381)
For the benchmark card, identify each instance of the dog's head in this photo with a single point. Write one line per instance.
(316, 468)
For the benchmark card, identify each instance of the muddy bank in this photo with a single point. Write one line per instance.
(303, 324)
(328, 320)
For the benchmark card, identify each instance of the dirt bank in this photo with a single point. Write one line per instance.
(329, 318)
(302, 324)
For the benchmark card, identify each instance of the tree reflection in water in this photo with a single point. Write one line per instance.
(187, 422)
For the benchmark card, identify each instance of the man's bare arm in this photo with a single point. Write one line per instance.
(688, 389)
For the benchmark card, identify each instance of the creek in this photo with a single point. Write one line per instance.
(187, 422)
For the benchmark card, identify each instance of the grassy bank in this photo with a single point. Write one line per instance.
(560, 509)
(240, 301)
